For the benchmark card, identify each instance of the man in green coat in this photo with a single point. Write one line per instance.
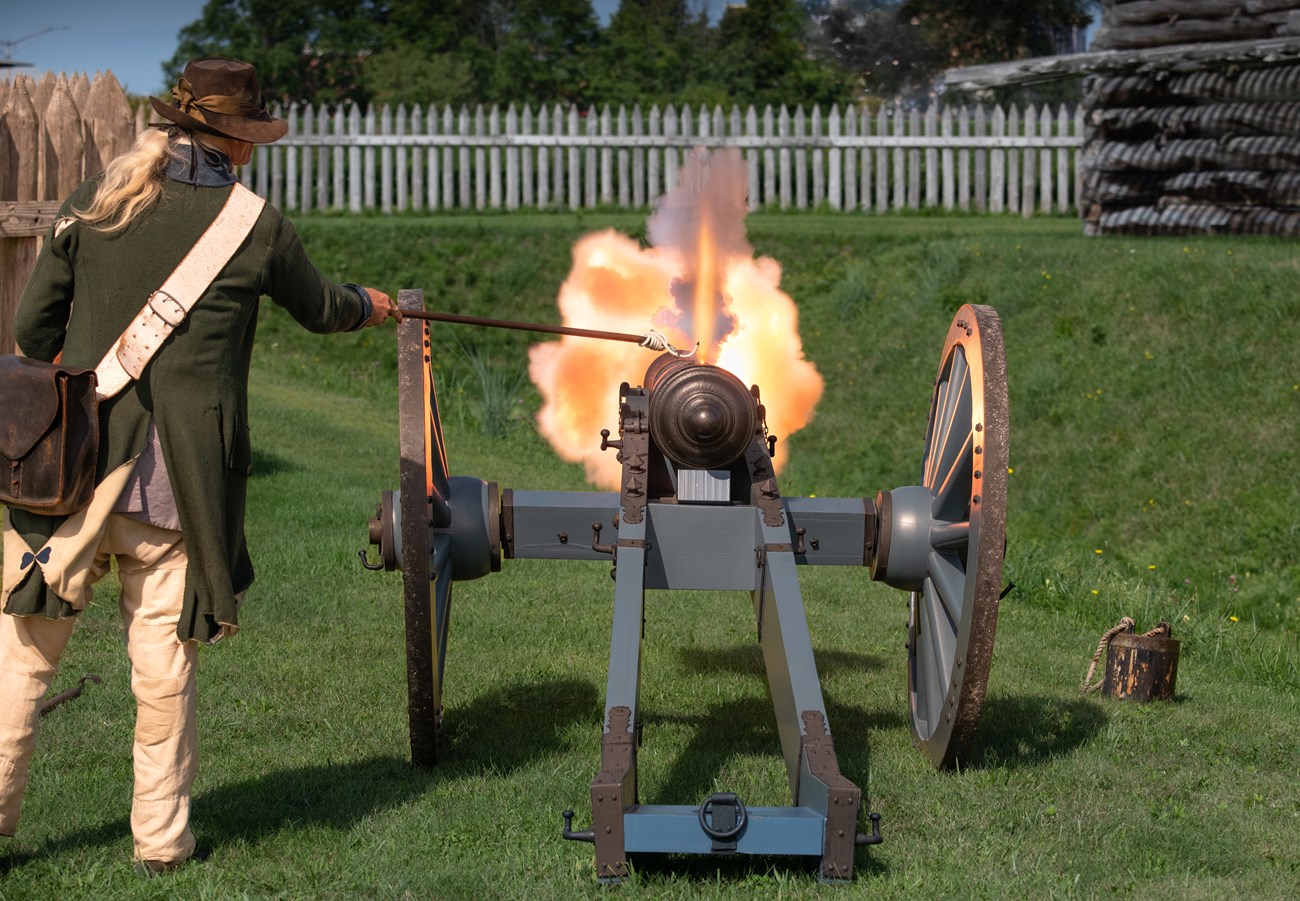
(174, 456)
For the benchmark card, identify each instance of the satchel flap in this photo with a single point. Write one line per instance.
(29, 401)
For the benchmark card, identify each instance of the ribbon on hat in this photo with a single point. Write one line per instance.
(42, 557)
(223, 104)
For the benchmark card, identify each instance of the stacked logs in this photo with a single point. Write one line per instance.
(1140, 24)
(1172, 151)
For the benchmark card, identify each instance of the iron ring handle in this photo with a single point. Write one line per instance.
(722, 835)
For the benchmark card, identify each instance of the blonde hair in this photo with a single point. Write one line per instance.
(132, 182)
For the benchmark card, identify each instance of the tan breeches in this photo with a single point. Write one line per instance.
(151, 565)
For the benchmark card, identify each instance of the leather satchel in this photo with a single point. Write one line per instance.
(49, 414)
(49, 436)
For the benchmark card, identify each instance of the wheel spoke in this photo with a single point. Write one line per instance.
(921, 656)
(958, 384)
(443, 581)
(435, 461)
(942, 631)
(916, 655)
(956, 432)
(936, 422)
(954, 489)
(950, 585)
(953, 423)
(948, 536)
(936, 678)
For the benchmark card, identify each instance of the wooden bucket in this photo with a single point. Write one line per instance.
(1141, 667)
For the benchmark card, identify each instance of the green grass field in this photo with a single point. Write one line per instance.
(1155, 404)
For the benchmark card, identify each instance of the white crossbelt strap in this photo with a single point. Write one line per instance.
(167, 307)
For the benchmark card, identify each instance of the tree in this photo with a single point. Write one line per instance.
(899, 48)
(425, 54)
(407, 74)
(976, 31)
(539, 49)
(303, 49)
(649, 53)
(889, 55)
(763, 54)
(520, 51)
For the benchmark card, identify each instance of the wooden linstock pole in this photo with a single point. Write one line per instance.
(524, 326)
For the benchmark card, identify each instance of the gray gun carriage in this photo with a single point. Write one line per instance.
(699, 508)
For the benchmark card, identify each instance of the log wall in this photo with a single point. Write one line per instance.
(1138, 24)
(1212, 150)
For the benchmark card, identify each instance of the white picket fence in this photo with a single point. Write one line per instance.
(430, 158)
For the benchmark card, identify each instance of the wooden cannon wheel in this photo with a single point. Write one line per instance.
(953, 617)
(425, 558)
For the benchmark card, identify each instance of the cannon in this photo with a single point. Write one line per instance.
(699, 508)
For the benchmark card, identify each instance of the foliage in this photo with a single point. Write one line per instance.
(891, 56)
(410, 75)
(310, 49)
(652, 51)
(520, 51)
(975, 31)
(537, 50)
(761, 51)
(898, 48)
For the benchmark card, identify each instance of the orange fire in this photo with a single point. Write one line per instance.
(698, 282)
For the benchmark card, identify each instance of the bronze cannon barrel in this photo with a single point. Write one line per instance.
(701, 416)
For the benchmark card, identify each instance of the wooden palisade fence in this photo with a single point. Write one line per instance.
(52, 135)
(428, 158)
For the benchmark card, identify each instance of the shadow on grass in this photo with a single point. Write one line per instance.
(705, 872)
(269, 463)
(748, 727)
(512, 726)
(508, 728)
(748, 658)
(11, 859)
(1028, 731)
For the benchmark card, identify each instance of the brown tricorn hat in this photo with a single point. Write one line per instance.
(221, 97)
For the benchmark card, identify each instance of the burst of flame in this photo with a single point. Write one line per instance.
(698, 282)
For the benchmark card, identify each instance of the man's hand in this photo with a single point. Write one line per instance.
(383, 307)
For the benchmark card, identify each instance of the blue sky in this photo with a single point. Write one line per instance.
(131, 38)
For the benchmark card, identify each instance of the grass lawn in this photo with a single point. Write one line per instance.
(1155, 404)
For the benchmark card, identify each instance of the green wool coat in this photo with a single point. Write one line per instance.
(84, 291)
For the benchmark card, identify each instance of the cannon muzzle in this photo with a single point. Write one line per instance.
(701, 416)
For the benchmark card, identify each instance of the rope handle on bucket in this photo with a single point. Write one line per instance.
(1126, 624)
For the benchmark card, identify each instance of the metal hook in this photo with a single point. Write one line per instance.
(373, 567)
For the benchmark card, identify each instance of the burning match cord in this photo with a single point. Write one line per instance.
(656, 341)
(651, 340)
